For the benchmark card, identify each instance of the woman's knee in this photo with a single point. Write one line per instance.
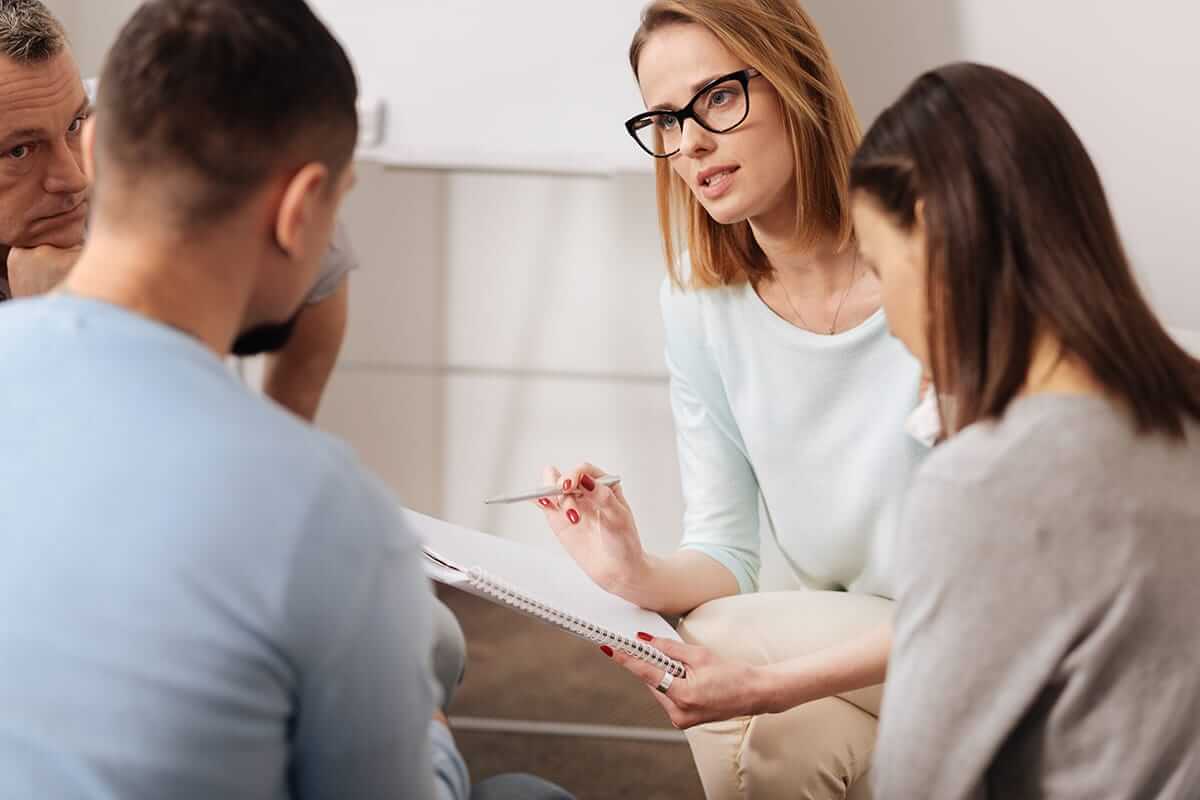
(820, 750)
(725, 626)
(767, 627)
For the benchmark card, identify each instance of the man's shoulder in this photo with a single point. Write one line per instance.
(314, 484)
(346, 493)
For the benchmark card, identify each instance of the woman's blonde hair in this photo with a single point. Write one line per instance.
(780, 40)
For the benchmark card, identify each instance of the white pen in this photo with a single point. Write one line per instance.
(550, 491)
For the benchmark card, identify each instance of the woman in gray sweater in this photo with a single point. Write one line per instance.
(1046, 641)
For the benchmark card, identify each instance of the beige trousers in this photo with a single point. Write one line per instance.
(815, 751)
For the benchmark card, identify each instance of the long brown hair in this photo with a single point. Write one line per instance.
(777, 38)
(1020, 242)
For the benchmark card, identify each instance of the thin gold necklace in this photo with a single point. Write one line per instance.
(846, 293)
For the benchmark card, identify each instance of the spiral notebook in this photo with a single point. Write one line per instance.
(539, 582)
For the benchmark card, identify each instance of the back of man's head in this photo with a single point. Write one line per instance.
(211, 98)
(29, 33)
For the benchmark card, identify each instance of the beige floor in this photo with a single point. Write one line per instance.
(519, 668)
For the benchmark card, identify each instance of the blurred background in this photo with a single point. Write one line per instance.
(506, 313)
(505, 316)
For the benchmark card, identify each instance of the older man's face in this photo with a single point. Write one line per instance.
(43, 189)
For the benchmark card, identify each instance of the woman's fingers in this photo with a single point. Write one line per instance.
(678, 718)
(568, 503)
(550, 477)
(591, 493)
(619, 494)
(582, 493)
(591, 470)
(651, 676)
(687, 654)
(604, 491)
(644, 671)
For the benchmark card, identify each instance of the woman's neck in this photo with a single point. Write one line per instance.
(807, 268)
(1052, 370)
(817, 286)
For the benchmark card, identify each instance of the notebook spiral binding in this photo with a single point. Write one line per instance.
(483, 582)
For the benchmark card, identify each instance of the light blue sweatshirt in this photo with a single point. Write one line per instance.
(814, 425)
(202, 597)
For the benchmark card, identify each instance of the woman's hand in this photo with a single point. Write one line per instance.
(713, 690)
(595, 526)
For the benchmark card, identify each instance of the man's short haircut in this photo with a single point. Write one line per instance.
(216, 96)
(29, 33)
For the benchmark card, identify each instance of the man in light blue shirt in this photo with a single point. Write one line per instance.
(203, 597)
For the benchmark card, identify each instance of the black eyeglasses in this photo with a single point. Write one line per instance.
(720, 106)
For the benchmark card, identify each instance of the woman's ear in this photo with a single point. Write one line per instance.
(917, 236)
(301, 198)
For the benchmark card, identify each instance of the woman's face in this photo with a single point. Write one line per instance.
(739, 175)
(899, 259)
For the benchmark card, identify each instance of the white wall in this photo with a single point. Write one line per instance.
(1188, 339)
(553, 99)
(1123, 73)
(880, 47)
(65, 10)
(91, 26)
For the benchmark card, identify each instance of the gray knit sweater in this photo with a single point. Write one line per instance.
(1048, 618)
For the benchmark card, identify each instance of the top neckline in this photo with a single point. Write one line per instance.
(800, 337)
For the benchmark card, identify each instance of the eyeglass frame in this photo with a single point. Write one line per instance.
(742, 76)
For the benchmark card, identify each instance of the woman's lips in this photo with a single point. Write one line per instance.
(716, 183)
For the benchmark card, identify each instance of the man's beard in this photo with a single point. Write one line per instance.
(269, 338)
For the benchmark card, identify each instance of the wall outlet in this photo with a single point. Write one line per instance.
(372, 122)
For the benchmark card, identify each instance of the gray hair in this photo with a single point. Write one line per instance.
(29, 33)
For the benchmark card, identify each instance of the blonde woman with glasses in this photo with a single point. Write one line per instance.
(786, 390)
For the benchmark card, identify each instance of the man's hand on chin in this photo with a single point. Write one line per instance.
(39, 269)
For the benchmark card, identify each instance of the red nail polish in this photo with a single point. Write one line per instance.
(606, 650)
(645, 637)
(567, 485)
(587, 483)
(573, 516)
(544, 503)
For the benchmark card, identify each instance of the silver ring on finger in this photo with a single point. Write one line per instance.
(665, 683)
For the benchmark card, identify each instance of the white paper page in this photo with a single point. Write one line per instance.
(547, 576)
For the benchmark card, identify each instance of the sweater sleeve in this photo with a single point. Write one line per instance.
(978, 636)
(720, 490)
(360, 635)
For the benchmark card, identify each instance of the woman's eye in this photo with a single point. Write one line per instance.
(720, 97)
(20, 152)
(666, 123)
(76, 125)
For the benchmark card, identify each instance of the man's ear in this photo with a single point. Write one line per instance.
(301, 199)
(89, 144)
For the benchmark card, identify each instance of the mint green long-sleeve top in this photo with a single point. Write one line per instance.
(813, 425)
